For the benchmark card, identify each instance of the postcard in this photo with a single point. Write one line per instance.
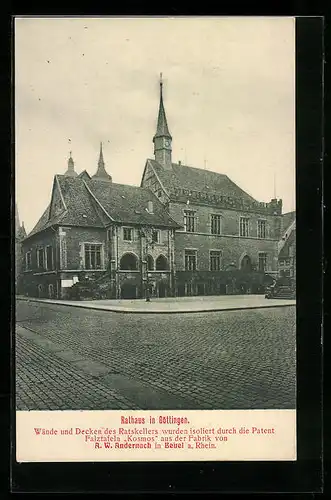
(155, 239)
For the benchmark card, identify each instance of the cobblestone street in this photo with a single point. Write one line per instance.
(79, 359)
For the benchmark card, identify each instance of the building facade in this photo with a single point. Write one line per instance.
(184, 231)
(96, 230)
(228, 241)
(287, 248)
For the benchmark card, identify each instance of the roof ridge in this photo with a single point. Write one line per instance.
(199, 168)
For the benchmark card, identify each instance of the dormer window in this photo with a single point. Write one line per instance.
(150, 207)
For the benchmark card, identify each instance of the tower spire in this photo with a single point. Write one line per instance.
(162, 138)
(71, 167)
(101, 172)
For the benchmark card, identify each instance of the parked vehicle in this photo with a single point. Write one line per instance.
(282, 288)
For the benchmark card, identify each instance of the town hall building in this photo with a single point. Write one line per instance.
(183, 231)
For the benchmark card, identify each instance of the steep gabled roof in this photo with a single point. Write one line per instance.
(128, 204)
(45, 222)
(284, 252)
(81, 210)
(198, 179)
(288, 218)
(96, 203)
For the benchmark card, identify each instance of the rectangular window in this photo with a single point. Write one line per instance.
(127, 233)
(93, 258)
(40, 258)
(261, 228)
(262, 262)
(49, 257)
(215, 225)
(244, 226)
(190, 260)
(28, 261)
(156, 236)
(189, 221)
(215, 260)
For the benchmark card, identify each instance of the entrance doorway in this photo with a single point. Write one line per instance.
(162, 290)
(246, 263)
(128, 291)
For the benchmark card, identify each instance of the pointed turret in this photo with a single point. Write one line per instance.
(101, 172)
(71, 167)
(20, 231)
(162, 138)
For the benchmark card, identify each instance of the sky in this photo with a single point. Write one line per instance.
(229, 95)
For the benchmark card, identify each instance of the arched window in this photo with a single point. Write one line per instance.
(246, 263)
(150, 263)
(129, 262)
(161, 263)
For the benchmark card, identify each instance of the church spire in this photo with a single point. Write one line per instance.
(71, 167)
(101, 172)
(162, 138)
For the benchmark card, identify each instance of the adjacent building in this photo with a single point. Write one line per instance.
(287, 247)
(20, 234)
(183, 231)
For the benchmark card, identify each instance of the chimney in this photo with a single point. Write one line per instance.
(150, 207)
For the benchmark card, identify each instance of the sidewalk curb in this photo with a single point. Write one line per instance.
(146, 311)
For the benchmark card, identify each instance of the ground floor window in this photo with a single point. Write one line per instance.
(190, 260)
(93, 255)
(49, 257)
(28, 261)
(262, 261)
(40, 258)
(215, 260)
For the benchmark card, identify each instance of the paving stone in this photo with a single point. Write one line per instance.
(228, 360)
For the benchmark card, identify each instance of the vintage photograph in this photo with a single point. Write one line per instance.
(155, 213)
